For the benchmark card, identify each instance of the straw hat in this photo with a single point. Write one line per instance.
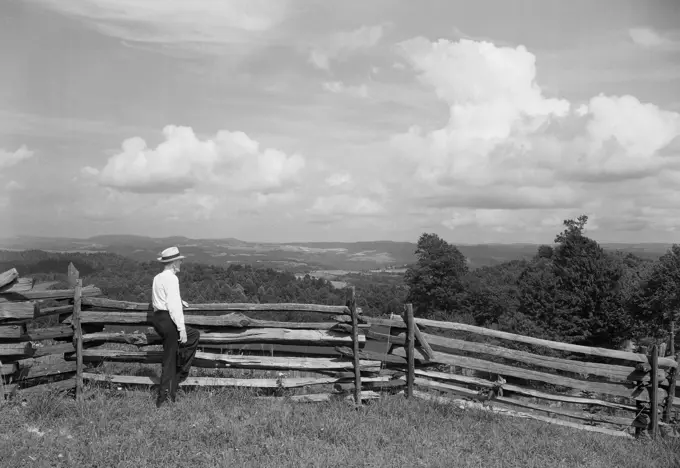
(170, 255)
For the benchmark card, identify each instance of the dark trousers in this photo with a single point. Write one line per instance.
(177, 357)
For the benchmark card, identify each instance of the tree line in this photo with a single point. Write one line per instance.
(573, 291)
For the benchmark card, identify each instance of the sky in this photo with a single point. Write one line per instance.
(309, 120)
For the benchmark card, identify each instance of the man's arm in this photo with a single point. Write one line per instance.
(175, 307)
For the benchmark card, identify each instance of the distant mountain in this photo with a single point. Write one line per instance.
(294, 256)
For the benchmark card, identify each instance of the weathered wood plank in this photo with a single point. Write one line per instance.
(45, 369)
(233, 320)
(653, 394)
(258, 335)
(383, 322)
(613, 373)
(7, 277)
(409, 349)
(591, 417)
(352, 306)
(54, 349)
(51, 387)
(622, 390)
(368, 383)
(226, 307)
(371, 355)
(58, 310)
(20, 285)
(17, 310)
(10, 332)
(16, 349)
(87, 291)
(509, 412)
(216, 381)
(279, 349)
(523, 391)
(48, 333)
(319, 397)
(591, 351)
(225, 360)
(8, 368)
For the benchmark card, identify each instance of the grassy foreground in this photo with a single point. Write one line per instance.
(230, 428)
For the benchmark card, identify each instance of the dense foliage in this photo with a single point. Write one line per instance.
(573, 291)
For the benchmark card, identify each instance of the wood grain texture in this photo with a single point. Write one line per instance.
(226, 307)
(522, 390)
(587, 350)
(7, 277)
(24, 310)
(217, 381)
(502, 409)
(257, 335)
(19, 285)
(621, 390)
(211, 360)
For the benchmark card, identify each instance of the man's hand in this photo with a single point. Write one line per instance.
(185, 304)
(182, 336)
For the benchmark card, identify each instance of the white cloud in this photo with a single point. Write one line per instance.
(345, 205)
(339, 179)
(199, 23)
(337, 87)
(12, 158)
(230, 161)
(648, 37)
(339, 45)
(509, 157)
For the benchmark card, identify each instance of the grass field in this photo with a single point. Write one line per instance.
(229, 428)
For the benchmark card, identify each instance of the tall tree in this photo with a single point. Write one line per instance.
(657, 305)
(586, 305)
(435, 281)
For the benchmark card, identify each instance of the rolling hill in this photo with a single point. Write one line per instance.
(296, 257)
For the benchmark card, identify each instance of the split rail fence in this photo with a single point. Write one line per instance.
(595, 389)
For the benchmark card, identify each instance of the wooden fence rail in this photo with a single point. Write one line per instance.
(347, 355)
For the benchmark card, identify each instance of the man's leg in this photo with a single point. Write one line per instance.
(187, 353)
(166, 328)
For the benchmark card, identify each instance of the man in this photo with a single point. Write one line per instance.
(179, 341)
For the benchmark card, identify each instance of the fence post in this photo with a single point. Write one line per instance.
(74, 278)
(653, 397)
(410, 350)
(352, 305)
(672, 376)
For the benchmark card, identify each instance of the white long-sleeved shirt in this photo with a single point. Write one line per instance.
(165, 296)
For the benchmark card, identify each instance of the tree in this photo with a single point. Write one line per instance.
(575, 294)
(435, 281)
(657, 305)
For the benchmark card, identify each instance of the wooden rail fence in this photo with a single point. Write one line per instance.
(609, 391)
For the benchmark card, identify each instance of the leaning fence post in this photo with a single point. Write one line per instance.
(410, 350)
(74, 278)
(672, 376)
(352, 305)
(653, 397)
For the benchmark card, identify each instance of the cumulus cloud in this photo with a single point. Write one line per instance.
(230, 161)
(512, 157)
(341, 44)
(12, 158)
(338, 87)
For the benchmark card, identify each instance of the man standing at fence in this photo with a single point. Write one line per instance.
(179, 341)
